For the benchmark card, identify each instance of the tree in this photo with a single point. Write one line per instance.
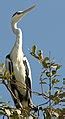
(52, 97)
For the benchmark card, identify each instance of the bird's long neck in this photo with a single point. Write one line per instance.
(18, 44)
(17, 31)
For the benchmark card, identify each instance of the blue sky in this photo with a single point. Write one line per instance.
(44, 27)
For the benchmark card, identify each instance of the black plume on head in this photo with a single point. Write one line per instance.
(16, 13)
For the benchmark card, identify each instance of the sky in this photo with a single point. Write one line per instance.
(44, 27)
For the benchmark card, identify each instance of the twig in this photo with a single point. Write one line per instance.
(42, 84)
(43, 103)
(50, 80)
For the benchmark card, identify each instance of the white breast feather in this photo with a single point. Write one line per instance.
(19, 70)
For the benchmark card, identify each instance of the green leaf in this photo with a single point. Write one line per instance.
(44, 78)
(51, 96)
(55, 81)
(43, 82)
(2, 112)
(56, 100)
(62, 95)
(48, 116)
(46, 62)
(58, 66)
(63, 100)
(46, 58)
(57, 93)
(48, 74)
(58, 87)
(39, 52)
(63, 81)
(40, 55)
(33, 50)
(53, 72)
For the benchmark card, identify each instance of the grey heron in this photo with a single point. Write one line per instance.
(17, 63)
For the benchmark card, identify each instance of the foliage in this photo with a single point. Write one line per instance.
(49, 77)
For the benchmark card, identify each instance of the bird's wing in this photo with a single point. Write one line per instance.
(11, 82)
(9, 64)
(28, 74)
(9, 68)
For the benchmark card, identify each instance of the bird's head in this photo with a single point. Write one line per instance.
(19, 15)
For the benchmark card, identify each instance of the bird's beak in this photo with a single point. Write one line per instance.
(20, 14)
(27, 10)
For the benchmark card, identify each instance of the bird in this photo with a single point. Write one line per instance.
(17, 65)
